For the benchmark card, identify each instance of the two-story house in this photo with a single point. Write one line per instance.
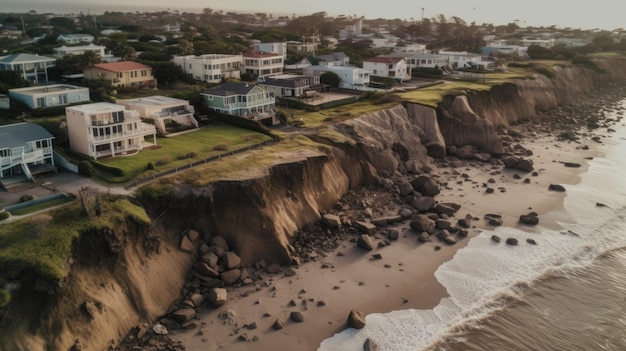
(462, 59)
(332, 60)
(125, 74)
(33, 68)
(63, 51)
(392, 67)
(351, 77)
(103, 129)
(210, 68)
(42, 96)
(276, 48)
(75, 38)
(166, 113)
(291, 85)
(416, 60)
(25, 149)
(245, 100)
(263, 64)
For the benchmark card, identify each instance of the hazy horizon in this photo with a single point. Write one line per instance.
(602, 14)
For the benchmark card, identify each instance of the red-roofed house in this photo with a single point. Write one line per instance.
(384, 66)
(263, 64)
(122, 74)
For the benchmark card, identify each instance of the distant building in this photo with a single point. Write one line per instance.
(25, 149)
(128, 74)
(75, 38)
(426, 60)
(545, 43)
(331, 60)
(173, 27)
(308, 48)
(43, 96)
(78, 50)
(462, 59)
(276, 48)
(245, 100)
(33, 68)
(503, 49)
(164, 112)
(103, 129)
(210, 68)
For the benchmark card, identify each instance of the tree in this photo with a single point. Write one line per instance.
(330, 78)
(11, 80)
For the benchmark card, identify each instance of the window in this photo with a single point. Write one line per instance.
(144, 73)
(119, 75)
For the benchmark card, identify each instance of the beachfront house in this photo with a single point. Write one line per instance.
(262, 64)
(210, 68)
(426, 60)
(42, 96)
(462, 59)
(351, 77)
(63, 51)
(103, 129)
(291, 85)
(276, 48)
(33, 68)
(75, 38)
(242, 99)
(125, 74)
(332, 60)
(25, 150)
(392, 67)
(166, 113)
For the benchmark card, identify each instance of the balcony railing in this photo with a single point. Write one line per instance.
(26, 157)
(142, 131)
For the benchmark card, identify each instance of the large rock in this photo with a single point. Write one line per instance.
(218, 296)
(183, 315)
(365, 227)
(296, 316)
(231, 260)
(447, 208)
(278, 324)
(205, 270)
(530, 219)
(466, 152)
(230, 277)
(405, 189)
(494, 219)
(370, 345)
(331, 220)
(424, 203)
(423, 237)
(210, 258)
(187, 245)
(356, 319)
(422, 223)
(556, 187)
(365, 241)
(197, 299)
(519, 163)
(511, 241)
(425, 185)
(220, 242)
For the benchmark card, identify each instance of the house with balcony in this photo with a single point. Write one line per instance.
(210, 68)
(291, 85)
(124, 74)
(242, 99)
(42, 96)
(392, 67)
(276, 48)
(33, 68)
(63, 51)
(351, 77)
(416, 60)
(166, 113)
(304, 47)
(263, 64)
(103, 129)
(462, 59)
(331, 60)
(75, 38)
(25, 150)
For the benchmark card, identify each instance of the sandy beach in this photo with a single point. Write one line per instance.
(334, 282)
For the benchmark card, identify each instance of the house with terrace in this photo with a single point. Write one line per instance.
(292, 85)
(392, 67)
(75, 38)
(103, 129)
(25, 150)
(242, 99)
(168, 114)
(210, 68)
(124, 74)
(263, 64)
(42, 96)
(351, 77)
(276, 48)
(331, 60)
(462, 59)
(33, 68)
(63, 51)
(416, 60)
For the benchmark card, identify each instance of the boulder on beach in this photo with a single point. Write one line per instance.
(425, 185)
(356, 319)
(518, 163)
(220, 242)
(530, 219)
(331, 220)
(421, 223)
(494, 219)
(187, 245)
(296, 316)
(184, 314)
(365, 241)
(218, 296)
(370, 345)
(423, 237)
(511, 241)
(365, 227)
(278, 324)
(495, 238)
(231, 276)
(556, 187)
(231, 260)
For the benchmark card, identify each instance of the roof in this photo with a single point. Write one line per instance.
(335, 56)
(16, 135)
(252, 53)
(17, 58)
(228, 89)
(384, 59)
(286, 83)
(97, 107)
(155, 100)
(121, 66)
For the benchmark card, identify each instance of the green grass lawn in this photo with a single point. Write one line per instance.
(42, 206)
(175, 152)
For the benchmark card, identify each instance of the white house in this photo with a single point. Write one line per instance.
(351, 77)
(165, 112)
(333, 59)
(426, 60)
(392, 67)
(104, 129)
(504, 49)
(25, 149)
(211, 68)
(545, 43)
(75, 38)
(78, 50)
(276, 48)
(462, 59)
(242, 99)
(33, 68)
(262, 64)
(411, 48)
(42, 96)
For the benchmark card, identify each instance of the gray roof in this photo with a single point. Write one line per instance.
(18, 134)
(285, 83)
(228, 89)
(17, 58)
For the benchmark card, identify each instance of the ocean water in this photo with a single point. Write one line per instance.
(566, 293)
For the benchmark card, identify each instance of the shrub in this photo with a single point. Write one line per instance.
(163, 161)
(116, 171)
(5, 298)
(220, 147)
(187, 155)
(26, 197)
(151, 166)
(4, 215)
(86, 168)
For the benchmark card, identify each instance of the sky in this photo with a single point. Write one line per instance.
(602, 14)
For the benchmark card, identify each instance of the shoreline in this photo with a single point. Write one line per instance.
(404, 277)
